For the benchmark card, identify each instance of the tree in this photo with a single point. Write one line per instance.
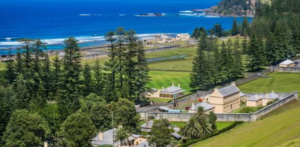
(55, 77)
(245, 27)
(203, 121)
(7, 106)
(110, 90)
(212, 117)
(235, 29)
(160, 134)
(25, 129)
(191, 129)
(255, 53)
(96, 108)
(47, 80)
(142, 77)
(22, 93)
(120, 135)
(51, 115)
(10, 73)
(98, 79)
(125, 114)
(77, 130)
(199, 76)
(237, 63)
(70, 87)
(218, 30)
(87, 79)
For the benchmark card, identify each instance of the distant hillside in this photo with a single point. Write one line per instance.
(236, 7)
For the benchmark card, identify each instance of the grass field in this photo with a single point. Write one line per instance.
(279, 82)
(166, 78)
(281, 125)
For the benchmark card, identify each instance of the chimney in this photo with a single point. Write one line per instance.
(193, 106)
(163, 88)
(179, 85)
(216, 89)
(273, 91)
(172, 84)
(233, 83)
(100, 136)
(45, 144)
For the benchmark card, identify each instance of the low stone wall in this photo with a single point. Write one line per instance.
(285, 69)
(247, 117)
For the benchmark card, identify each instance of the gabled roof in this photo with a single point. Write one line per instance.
(273, 95)
(254, 98)
(287, 62)
(172, 89)
(204, 105)
(107, 138)
(229, 90)
(257, 97)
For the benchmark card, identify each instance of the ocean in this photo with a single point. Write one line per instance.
(89, 20)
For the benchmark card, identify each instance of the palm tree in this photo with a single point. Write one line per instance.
(121, 135)
(191, 129)
(202, 119)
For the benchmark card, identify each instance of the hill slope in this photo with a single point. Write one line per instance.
(236, 7)
(282, 125)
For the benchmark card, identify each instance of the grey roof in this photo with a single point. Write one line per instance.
(150, 124)
(204, 105)
(176, 135)
(229, 90)
(273, 95)
(286, 62)
(242, 94)
(172, 89)
(257, 97)
(254, 98)
(107, 138)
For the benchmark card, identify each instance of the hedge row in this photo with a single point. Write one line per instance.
(212, 135)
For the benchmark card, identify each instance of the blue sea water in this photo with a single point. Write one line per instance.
(54, 20)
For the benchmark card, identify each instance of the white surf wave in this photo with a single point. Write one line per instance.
(81, 39)
(85, 14)
(186, 11)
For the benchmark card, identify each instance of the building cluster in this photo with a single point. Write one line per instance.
(229, 98)
(164, 38)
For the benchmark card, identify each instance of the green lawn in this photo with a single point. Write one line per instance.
(166, 78)
(279, 82)
(186, 64)
(281, 125)
(222, 125)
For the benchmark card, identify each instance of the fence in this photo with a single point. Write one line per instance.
(247, 117)
(285, 69)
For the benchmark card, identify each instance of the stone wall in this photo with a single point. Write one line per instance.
(247, 117)
(285, 69)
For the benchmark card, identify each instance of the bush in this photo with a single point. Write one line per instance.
(188, 143)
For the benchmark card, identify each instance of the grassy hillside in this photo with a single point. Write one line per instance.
(282, 125)
(279, 82)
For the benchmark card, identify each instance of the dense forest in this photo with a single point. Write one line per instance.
(48, 98)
